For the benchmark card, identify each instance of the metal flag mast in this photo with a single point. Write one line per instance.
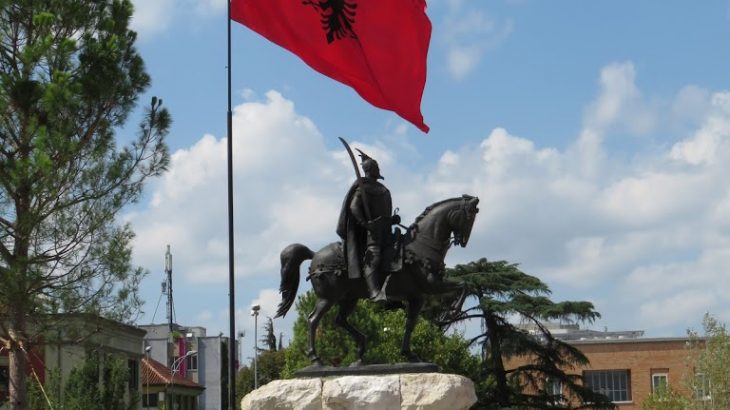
(231, 282)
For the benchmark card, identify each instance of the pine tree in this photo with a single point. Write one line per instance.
(269, 338)
(503, 292)
(69, 77)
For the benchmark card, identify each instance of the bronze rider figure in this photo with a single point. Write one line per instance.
(365, 228)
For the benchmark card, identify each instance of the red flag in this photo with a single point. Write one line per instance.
(377, 47)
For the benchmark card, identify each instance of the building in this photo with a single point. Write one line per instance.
(571, 331)
(207, 367)
(69, 340)
(625, 366)
(162, 385)
(629, 370)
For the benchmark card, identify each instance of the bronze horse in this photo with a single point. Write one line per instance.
(425, 243)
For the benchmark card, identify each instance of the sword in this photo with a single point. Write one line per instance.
(360, 184)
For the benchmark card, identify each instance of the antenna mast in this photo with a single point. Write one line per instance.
(168, 271)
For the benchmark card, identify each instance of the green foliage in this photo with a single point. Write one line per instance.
(270, 365)
(710, 358)
(502, 292)
(69, 77)
(384, 331)
(666, 399)
(93, 385)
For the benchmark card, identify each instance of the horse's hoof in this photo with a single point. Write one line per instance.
(412, 357)
(393, 305)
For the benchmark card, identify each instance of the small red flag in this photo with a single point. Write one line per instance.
(377, 47)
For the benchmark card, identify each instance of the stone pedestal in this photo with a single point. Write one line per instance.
(424, 391)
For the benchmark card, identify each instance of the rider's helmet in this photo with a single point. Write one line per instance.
(370, 166)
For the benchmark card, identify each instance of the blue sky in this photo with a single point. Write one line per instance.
(597, 135)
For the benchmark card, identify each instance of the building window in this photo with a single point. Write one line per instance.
(614, 384)
(133, 374)
(149, 400)
(702, 387)
(554, 388)
(191, 362)
(659, 383)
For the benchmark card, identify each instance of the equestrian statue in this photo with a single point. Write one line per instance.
(376, 262)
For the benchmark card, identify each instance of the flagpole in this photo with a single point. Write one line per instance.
(231, 281)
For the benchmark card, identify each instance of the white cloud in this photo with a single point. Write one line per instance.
(586, 219)
(152, 16)
(463, 60)
(189, 211)
(710, 142)
(155, 16)
(690, 104)
(268, 300)
(645, 200)
(683, 307)
(645, 238)
(620, 102)
(468, 35)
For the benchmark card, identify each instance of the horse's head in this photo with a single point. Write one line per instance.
(461, 219)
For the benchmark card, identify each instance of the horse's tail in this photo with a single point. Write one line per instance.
(291, 257)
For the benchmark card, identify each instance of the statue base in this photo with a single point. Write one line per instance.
(368, 370)
(423, 391)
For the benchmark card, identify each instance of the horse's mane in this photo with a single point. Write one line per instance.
(436, 205)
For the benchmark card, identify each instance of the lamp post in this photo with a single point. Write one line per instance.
(147, 350)
(174, 368)
(255, 313)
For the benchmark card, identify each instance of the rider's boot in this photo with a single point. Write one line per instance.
(376, 294)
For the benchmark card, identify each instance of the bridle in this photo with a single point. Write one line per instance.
(461, 220)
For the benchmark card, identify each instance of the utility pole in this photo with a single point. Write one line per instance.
(168, 271)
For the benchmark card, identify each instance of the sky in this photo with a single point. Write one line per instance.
(596, 135)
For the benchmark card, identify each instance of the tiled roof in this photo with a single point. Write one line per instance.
(155, 373)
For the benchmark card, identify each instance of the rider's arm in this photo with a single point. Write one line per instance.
(357, 209)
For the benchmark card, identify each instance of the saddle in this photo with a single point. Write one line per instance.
(394, 257)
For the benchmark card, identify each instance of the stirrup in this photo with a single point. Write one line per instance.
(380, 297)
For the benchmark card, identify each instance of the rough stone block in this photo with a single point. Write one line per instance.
(361, 393)
(434, 391)
(295, 394)
(422, 391)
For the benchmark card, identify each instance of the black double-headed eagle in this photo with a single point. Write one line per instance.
(337, 17)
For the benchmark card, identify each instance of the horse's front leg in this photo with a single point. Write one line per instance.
(413, 309)
(445, 286)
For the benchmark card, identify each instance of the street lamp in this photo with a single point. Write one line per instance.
(255, 313)
(175, 367)
(147, 350)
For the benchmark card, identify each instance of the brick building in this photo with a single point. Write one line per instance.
(629, 370)
(625, 366)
